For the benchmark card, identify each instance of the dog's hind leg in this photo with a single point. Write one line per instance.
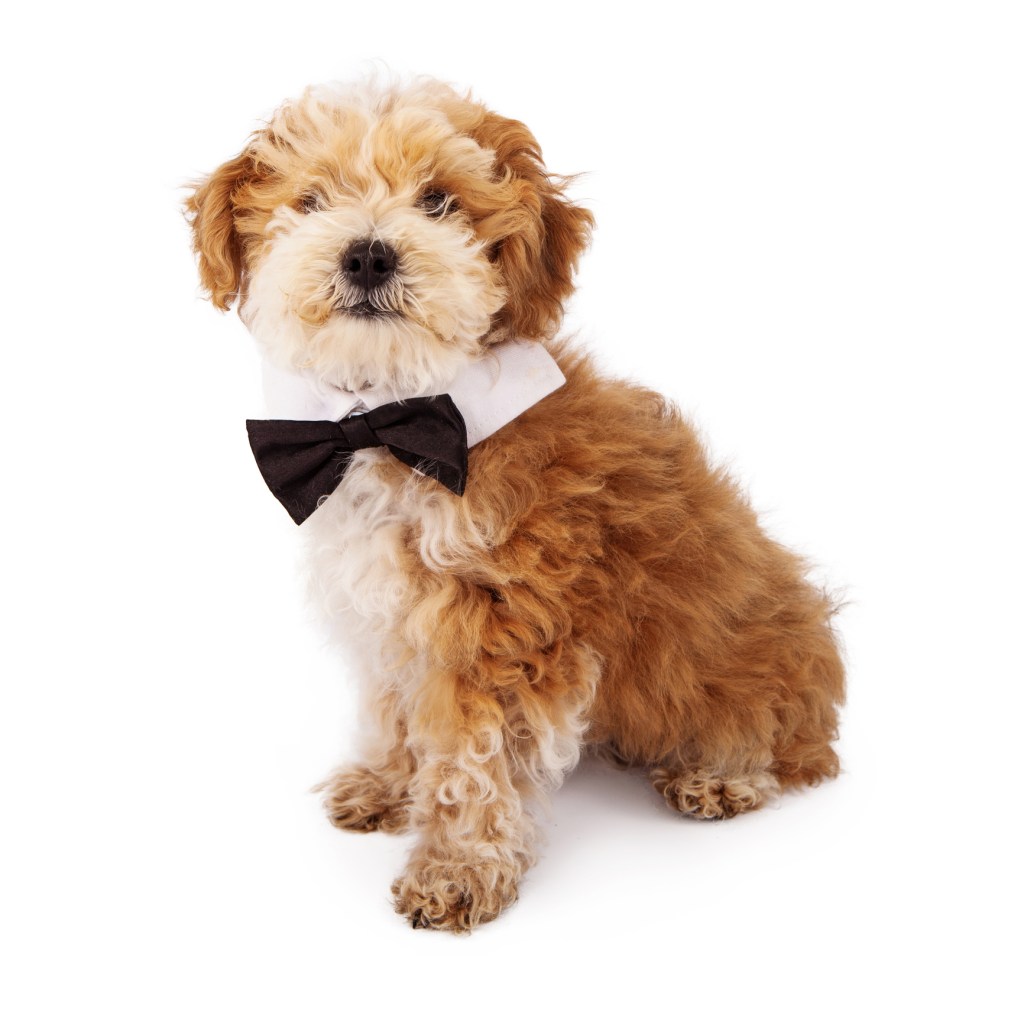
(713, 793)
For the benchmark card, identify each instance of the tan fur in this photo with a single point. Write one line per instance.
(599, 582)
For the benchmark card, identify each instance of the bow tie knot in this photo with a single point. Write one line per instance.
(358, 433)
(303, 461)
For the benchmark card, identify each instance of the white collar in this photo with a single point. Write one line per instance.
(490, 392)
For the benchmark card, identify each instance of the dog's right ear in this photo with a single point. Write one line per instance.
(211, 211)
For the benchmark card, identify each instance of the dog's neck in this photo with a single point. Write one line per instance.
(489, 392)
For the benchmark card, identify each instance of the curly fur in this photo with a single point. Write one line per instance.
(599, 582)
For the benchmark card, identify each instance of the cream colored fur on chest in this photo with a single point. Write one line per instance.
(363, 537)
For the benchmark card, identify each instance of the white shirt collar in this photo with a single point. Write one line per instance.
(490, 392)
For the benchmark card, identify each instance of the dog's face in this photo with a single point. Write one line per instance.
(385, 236)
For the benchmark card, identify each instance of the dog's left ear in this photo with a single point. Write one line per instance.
(539, 256)
(211, 210)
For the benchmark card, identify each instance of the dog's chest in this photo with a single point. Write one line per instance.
(377, 540)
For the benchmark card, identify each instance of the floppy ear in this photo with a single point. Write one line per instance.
(211, 212)
(538, 258)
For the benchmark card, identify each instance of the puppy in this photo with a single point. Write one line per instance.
(582, 577)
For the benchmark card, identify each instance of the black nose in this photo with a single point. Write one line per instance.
(369, 263)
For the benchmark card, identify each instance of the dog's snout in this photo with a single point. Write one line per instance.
(369, 263)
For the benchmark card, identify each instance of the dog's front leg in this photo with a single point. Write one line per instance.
(476, 832)
(495, 719)
(488, 741)
(374, 794)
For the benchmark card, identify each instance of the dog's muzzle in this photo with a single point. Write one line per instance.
(368, 266)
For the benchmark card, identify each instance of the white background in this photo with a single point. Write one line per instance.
(810, 235)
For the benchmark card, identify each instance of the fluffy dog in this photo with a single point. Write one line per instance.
(597, 583)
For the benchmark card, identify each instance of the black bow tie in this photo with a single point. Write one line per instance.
(302, 461)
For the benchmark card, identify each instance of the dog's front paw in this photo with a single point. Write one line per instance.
(437, 893)
(361, 801)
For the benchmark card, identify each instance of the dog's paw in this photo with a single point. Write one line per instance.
(359, 800)
(701, 795)
(454, 896)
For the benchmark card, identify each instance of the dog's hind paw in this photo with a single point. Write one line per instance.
(705, 796)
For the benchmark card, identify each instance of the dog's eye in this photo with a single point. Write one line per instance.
(311, 201)
(435, 203)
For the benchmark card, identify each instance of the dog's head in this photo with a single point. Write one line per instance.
(385, 236)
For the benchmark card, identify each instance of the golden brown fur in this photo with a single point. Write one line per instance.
(599, 582)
